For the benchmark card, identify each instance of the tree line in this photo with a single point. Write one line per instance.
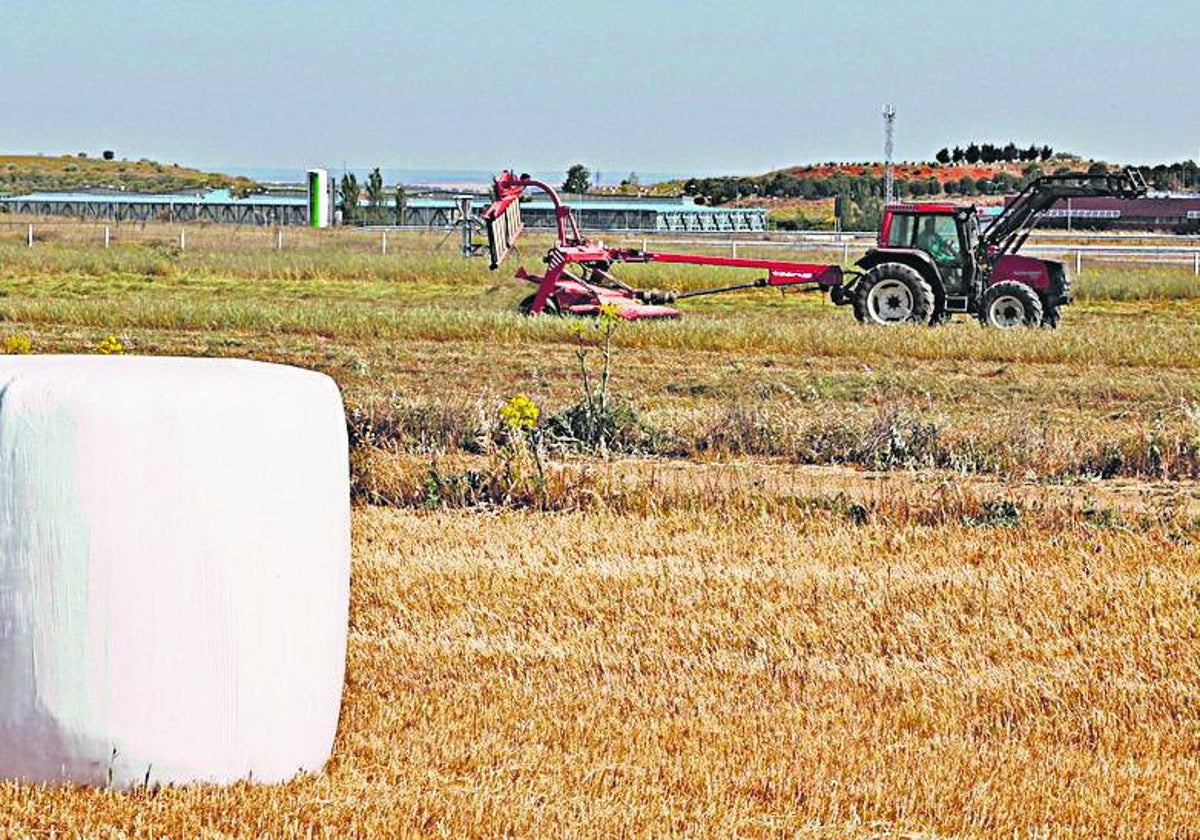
(988, 153)
(859, 198)
(377, 210)
(722, 190)
(1173, 177)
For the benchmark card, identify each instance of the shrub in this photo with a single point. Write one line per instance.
(600, 420)
(18, 344)
(110, 345)
(520, 413)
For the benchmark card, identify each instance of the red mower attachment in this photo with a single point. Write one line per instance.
(579, 279)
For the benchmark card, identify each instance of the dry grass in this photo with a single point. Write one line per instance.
(597, 674)
(706, 646)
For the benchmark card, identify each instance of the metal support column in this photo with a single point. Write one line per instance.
(464, 219)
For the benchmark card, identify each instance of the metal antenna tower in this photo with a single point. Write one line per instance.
(889, 179)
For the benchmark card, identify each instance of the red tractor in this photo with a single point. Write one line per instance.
(932, 260)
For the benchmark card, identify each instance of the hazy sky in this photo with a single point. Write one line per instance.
(654, 86)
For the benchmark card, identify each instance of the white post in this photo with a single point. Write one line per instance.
(30, 237)
(1196, 263)
(383, 242)
(845, 252)
(733, 249)
(107, 236)
(182, 239)
(1079, 262)
(279, 240)
(643, 244)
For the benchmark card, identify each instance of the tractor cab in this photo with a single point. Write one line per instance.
(947, 233)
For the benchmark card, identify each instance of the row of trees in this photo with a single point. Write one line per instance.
(722, 190)
(377, 211)
(1184, 175)
(579, 180)
(859, 198)
(783, 185)
(988, 153)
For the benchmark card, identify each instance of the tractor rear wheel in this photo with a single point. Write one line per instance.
(1009, 304)
(893, 293)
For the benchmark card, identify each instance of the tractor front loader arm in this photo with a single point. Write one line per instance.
(1009, 230)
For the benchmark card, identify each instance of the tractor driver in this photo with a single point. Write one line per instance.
(938, 241)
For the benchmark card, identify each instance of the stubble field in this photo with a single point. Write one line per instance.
(827, 581)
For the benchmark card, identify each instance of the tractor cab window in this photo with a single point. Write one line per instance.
(938, 237)
(900, 234)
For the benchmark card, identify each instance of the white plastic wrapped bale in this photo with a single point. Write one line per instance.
(174, 569)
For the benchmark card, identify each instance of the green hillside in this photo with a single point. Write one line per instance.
(20, 174)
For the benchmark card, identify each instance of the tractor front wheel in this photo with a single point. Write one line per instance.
(893, 293)
(1009, 304)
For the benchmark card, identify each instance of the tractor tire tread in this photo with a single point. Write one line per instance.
(922, 292)
(1014, 288)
